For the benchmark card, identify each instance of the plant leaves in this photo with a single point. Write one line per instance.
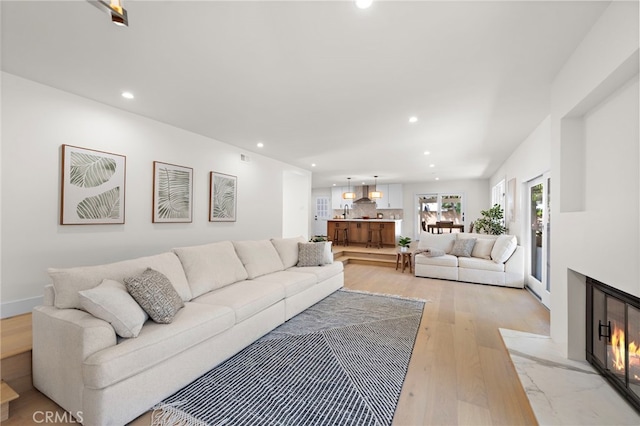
(101, 206)
(174, 189)
(89, 171)
(224, 197)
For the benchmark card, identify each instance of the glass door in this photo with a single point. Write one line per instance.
(446, 206)
(539, 191)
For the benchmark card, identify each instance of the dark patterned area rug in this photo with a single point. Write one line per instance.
(341, 362)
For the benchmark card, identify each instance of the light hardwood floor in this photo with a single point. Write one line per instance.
(460, 372)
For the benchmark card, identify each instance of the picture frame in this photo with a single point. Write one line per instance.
(92, 187)
(223, 197)
(172, 193)
(510, 212)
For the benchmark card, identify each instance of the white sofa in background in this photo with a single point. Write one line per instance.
(233, 293)
(496, 260)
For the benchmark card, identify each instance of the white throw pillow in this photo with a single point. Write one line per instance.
(503, 248)
(69, 281)
(328, 253)
(111, 302)
(442, 242)
(211, 266)
(287, 249)
(258, 257)
(483, 248)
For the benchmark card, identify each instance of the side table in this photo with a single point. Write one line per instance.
(405, 258)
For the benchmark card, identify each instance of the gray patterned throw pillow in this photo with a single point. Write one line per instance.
(463, 248)
(155, 294)
(311, 254)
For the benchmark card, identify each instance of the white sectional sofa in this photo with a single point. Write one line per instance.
(474, 258)
(231, 293)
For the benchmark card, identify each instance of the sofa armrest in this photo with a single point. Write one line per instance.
(62, 340)
(514, 269)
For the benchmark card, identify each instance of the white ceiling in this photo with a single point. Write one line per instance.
(317, 82)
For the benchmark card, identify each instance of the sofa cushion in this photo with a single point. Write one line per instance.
(483, 264)
(246, 298)
(437, 241)
(287, 249)
(211, 266)
(68, 282)
(463, 247)
(258, 257)
(310, 254)
(503, 248)
(482, 248)
(111, 302)
(446, 260)
(192, 325)
(323, 272)
(293, 282)
(155, 294)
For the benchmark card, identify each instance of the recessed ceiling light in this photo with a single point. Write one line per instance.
(313, 164)
(259, 144)
(437, 178)
(413, 119)
(363, 4)
(432, 165)
(127, 95)
(334, 184)
(427, 153)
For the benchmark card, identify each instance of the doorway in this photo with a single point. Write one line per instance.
(435, 207)
(539, 208)
(322, 214)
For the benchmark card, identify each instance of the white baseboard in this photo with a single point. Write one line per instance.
(17, 307)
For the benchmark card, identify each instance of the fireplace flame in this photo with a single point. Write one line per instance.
(618, 350)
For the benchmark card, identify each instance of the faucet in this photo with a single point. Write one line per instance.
(346, 211)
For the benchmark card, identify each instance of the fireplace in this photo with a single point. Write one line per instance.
(613, 338)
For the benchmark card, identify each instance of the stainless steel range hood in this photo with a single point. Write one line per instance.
(365, 196)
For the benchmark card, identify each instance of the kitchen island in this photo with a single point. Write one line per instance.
(358, 230)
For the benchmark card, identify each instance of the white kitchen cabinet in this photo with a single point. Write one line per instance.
(337, 202)
(392, 197)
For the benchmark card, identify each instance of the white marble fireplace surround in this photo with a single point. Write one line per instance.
(563, 391)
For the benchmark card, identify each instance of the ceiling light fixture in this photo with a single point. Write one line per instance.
(349, 195)
(115, 9)
(427, 153)
(260, 145)
(313, 164)
(363, 4)
(413, 119)
(127, 95)
(432, 165)
(375, 193)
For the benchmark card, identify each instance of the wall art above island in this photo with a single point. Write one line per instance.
(93, 186)
(172, 193)
(223, 197)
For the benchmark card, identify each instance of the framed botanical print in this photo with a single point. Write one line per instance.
(222, 197)
(93, 186)
(172, 193)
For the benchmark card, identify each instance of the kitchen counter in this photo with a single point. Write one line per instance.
(367, 220)
(357, 231)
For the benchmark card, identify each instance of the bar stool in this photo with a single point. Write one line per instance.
(337, 231)
(375, 229)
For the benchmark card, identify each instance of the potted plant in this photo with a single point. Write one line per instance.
(491, 221)
(404, 243)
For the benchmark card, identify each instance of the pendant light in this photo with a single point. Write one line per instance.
(375, 193)
(349, 195)
(114, 8)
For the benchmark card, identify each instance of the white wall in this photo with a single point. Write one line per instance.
(296, 204)
(38, 119)
(531, 159)
(595, 161)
